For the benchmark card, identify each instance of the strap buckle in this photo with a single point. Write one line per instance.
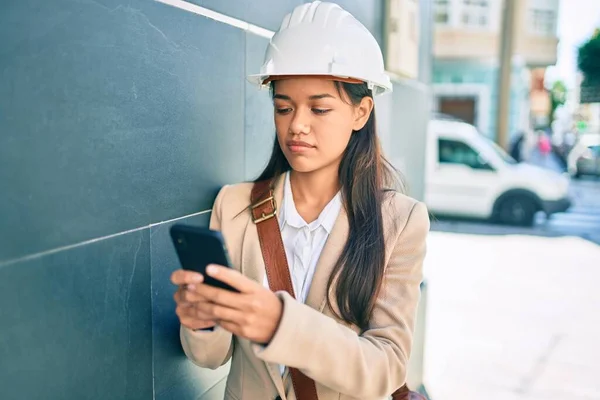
(264, 215)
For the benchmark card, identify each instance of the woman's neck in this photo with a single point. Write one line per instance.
(312, 191)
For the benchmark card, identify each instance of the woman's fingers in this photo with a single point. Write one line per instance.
(183, 295)
(219, 313)
(189, 295)
(232, 277)
(195, 307)
(254, 316)
(191, 312)
(184, 277)
(194, 298)
(192, 318)
(205, 293)
(243, 313)
(224, 297)
(200, 305)
(188, 314)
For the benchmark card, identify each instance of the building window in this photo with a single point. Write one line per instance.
(475, 13)
(442, 12)
(542, 22)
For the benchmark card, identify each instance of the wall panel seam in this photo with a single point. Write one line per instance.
(217, 16)
(90, 241)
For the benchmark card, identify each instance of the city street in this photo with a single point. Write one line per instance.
(512, 313)
(582, 220)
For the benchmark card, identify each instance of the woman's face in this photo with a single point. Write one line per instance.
(314, 124)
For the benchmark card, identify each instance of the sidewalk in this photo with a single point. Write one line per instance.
(512, 317)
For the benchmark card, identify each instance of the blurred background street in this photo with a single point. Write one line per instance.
(581, 220)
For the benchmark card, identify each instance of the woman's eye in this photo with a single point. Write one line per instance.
(283, 110)
(320, 111)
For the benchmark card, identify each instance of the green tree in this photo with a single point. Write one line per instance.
(558, 97)
(588, 61)
(588, 58)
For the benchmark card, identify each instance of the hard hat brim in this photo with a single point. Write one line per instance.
(327, 77)
(264, 80)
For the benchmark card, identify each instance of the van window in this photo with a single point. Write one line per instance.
(457, 152)
(500, 152)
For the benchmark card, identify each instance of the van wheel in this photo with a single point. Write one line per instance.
(517, 210)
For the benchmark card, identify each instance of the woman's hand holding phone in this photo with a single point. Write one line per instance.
(253, 313)
(187, 299)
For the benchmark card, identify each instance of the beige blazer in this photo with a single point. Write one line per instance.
(344, 363)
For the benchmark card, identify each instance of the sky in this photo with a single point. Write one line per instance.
(577, 20)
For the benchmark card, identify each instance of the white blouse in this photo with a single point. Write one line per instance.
(303, 242)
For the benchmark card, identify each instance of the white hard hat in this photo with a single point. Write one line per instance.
(323, 39)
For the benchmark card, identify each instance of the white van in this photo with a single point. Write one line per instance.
(469, 175)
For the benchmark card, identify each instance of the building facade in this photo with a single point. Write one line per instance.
(466, 51)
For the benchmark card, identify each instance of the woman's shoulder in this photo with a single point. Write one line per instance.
(235, 196)
(399, 203)
(398, 208)
(237, 190)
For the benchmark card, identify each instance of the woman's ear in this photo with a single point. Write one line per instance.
(362, 112)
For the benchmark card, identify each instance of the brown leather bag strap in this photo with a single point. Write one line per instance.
(405, 394)
(264, 211)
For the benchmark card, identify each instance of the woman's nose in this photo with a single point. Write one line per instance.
(301, 122)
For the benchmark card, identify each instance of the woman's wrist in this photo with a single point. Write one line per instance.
(278, 317)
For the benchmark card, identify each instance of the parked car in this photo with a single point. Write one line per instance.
(584, 158)
(469, 175)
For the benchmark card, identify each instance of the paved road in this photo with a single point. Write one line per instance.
(582, 220)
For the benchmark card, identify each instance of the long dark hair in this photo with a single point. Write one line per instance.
(364, 177)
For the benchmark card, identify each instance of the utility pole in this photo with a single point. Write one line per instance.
(507, 39)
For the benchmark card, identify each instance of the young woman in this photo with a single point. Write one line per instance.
(354, 245)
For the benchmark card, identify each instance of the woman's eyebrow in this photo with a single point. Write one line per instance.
(313, 97)
(321, 96)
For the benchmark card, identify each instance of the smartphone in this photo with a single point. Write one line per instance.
(198, 247)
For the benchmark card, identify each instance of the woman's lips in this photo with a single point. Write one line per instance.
(299, 147)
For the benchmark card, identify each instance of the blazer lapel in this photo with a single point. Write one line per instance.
(317, 294)
(253, 266)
